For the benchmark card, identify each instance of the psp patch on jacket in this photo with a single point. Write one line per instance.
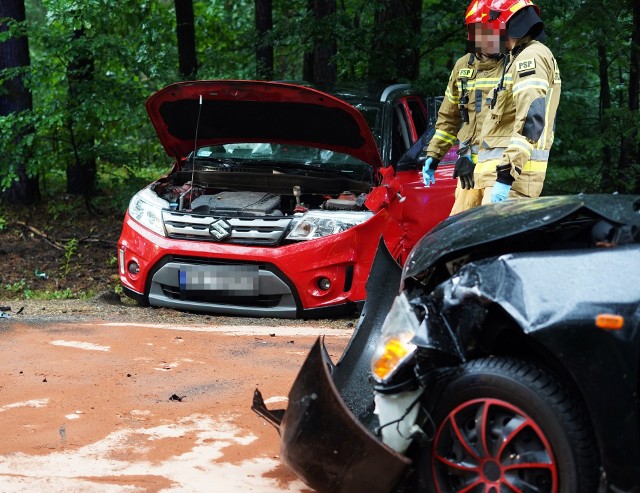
(526, 67)
(465, 73)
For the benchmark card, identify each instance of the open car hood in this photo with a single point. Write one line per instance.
(257, 111)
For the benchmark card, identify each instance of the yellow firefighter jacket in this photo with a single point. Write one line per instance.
(518, 133)
(471, 81)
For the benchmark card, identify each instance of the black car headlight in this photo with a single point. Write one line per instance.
(396, 345)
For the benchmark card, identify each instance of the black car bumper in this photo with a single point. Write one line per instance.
(323, 442)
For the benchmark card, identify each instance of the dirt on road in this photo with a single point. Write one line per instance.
(105, 397)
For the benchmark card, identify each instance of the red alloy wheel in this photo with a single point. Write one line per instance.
(490, 446)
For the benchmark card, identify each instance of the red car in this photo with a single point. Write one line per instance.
(278, 197)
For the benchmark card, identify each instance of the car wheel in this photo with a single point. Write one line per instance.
(504, 425)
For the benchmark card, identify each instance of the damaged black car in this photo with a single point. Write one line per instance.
(509, 361)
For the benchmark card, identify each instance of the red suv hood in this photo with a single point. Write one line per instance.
(257, 111)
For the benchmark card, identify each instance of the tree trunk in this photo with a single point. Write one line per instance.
(324, 45)
(307, 63)
(634, 92)
(264, 47)
(82, 172)
(186, 34)
(607, 182)
(15, 97)
(395, 55)
(629, 152)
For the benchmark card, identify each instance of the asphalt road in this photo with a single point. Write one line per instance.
(108, 399)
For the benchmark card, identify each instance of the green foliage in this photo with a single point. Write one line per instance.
(225, 39)
(95, 62)
(59, 209)
(15, 287)
(21, 290)
(65, 294)
(101, 115)
(70, 250)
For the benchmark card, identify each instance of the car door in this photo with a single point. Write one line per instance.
(420, 208)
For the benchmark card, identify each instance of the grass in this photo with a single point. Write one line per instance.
(21, 290)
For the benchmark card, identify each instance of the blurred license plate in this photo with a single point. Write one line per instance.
(236, 280)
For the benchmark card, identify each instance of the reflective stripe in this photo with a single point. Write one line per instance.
(472, 10)
(535, 166)
(469, 152)
(495, 153)
(540, 155)
(521, 144)
(482, 83)
(451, 97)
(487, 166)
(521, 86)
(447, 137)
(532, 166)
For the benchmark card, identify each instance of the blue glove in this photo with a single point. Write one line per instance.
(429, 171)
(500, 192)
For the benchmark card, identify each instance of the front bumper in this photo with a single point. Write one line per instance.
(323, 442)
(289, 277)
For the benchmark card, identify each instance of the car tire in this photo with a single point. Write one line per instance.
(504, 424)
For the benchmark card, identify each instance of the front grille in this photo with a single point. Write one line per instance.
(262, 230)
(183, 259)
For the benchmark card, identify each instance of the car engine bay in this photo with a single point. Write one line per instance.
(202, 198)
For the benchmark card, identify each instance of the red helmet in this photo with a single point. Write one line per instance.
(503, 10)
(500, 12)
(477, 13)
(477, 10)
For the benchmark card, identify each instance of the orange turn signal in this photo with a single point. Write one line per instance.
(609, 321)
(394, 352)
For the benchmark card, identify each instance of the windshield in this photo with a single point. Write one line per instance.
(280, 156)
(373, 115)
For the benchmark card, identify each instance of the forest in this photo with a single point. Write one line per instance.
(74, 76)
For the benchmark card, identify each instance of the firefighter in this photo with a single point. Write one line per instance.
(517, 134)
(463, 111)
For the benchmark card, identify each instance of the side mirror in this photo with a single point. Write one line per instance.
(414, 157)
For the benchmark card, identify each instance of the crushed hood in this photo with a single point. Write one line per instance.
(257, 111)
(487, 225)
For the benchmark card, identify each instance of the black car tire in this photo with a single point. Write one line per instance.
(516, 402)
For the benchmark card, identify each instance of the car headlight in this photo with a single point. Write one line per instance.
(146, 208)
(316, 224)
(395, 345)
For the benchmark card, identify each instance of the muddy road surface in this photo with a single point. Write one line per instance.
(111, 399)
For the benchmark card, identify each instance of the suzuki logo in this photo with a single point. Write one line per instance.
(220, 229)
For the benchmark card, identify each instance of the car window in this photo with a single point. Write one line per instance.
(400, 135)
(418, 115)
(433, 106)
(373, 115)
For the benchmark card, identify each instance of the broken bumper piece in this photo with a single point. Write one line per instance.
(323, 442)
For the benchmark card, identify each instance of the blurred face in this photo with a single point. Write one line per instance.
(487, 39)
